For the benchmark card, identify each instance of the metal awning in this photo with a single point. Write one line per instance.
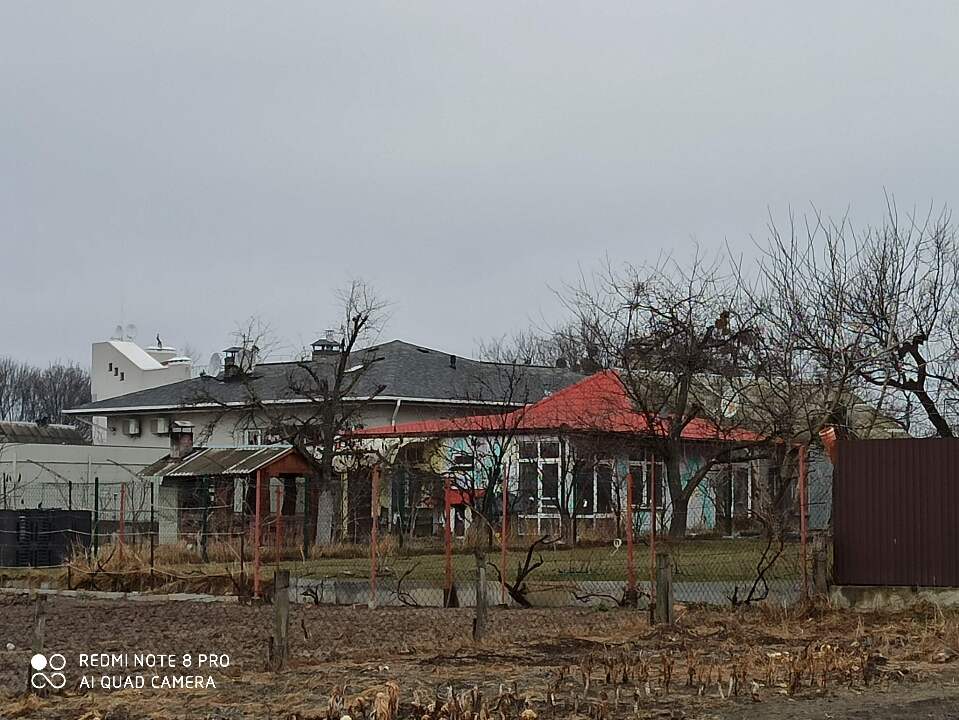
(208, 462)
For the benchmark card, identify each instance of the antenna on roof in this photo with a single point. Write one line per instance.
(131, 332)
(117, 333)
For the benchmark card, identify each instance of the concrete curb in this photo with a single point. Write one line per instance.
(132, 596)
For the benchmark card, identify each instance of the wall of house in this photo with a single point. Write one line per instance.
(233, 428)
(702, 516)
(119, 367)
(62, 476)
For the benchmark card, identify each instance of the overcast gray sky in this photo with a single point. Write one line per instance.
(185, 165)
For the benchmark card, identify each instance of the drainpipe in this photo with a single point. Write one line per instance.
(396, 410)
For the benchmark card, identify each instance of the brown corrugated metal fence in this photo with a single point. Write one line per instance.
(896, 512)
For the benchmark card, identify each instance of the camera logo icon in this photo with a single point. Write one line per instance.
(55, 679)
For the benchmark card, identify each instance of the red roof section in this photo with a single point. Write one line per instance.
(598, 403)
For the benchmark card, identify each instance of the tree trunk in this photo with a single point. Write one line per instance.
(935, 417)
(678, 498)
(678, 520)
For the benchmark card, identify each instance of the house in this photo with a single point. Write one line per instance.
(212, 492)
(399, 382)
(567, 458)
(119, 367)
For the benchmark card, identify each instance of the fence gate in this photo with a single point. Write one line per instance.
(896, 512)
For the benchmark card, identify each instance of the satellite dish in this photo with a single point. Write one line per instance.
(131, 331)
(728, 404)
(118, 332)
(216, 364)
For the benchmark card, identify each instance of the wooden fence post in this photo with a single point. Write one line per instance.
(479, 620)
(39, 629)
(664, 612)
(281, 619)
(820, 562)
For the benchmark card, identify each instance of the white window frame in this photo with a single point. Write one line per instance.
(543, 509)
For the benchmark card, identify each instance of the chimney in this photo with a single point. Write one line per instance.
(238, 361)
(326, 346)
(181, 439)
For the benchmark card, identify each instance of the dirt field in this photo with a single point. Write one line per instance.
(758, 664)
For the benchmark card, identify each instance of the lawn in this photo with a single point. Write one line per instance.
(693, 560)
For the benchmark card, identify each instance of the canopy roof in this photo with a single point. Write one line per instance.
(239, 461)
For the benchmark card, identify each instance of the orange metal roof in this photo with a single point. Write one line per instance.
(596, 404)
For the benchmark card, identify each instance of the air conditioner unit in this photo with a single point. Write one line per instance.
(161, 426)
(133, 426)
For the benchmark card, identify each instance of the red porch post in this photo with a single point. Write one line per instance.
(256, 534)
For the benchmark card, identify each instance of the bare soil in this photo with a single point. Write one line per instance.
(760, 663)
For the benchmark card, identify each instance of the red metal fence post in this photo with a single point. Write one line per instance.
(803, 521)
(447, 544)
(630, 564)
(279, 521)
(652, 528)
(374, 531)
(256, 534)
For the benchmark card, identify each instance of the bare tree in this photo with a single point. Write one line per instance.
(681, 338)
(872, 312)
(322, 395)
(33, 394)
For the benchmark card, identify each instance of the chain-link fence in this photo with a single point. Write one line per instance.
(229, 535)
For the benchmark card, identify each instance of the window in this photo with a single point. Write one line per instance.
(109, 367)
(742, 492)
(649, 474)
(539, 476)
(584, 490)
(528, 451)
(604, 488)
(528, 487)
(549, 449)
(551, 483)
(462, 462)
(122, 374)
(254, 437)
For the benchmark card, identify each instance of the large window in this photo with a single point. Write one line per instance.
(594, 487)
(604, 488)
(649, 478)
(539, 476)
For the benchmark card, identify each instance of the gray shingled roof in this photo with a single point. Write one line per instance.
(395, 369)
(28, 432)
